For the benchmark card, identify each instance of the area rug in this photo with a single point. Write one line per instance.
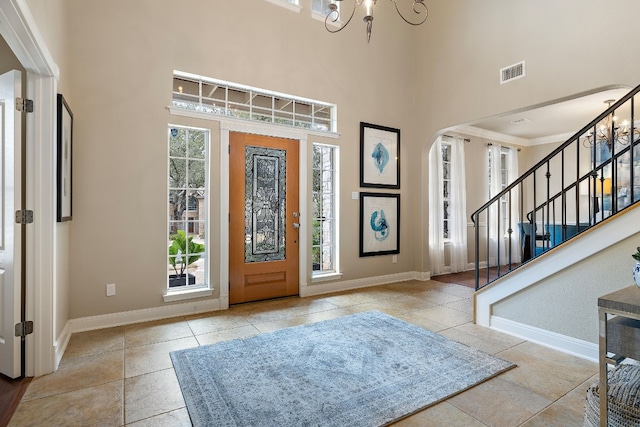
(366, 369)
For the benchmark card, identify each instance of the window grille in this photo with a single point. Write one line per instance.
(217, 97)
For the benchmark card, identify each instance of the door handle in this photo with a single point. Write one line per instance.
(296, 225)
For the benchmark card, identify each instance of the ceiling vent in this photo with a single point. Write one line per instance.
(512, 72)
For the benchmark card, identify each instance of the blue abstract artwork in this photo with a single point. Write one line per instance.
(380, 157)
(379, 225)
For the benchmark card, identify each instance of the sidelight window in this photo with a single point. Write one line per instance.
(188, 182)
(325, 188)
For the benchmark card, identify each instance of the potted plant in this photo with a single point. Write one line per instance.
(636, 268)
(183, 252)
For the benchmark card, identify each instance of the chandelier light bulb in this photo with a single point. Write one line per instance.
(333, 16)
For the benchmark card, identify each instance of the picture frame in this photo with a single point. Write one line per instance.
(379, 224)
(64, 159)
(379, 156)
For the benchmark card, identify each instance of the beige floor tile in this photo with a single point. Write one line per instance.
(440, 415)
(156, 331)
(412, 286)
(567, 411)
(78, 373)
(216, 321)
(95, 342)
(446, 316)
(458, 290)
(479, 342)
(464, 305)
(227, 334)
(349, 299)
(153, 357)
(561, 361)
(439, 297)
(548, 369)
(419, 319)
(177, 418)
(302, 320)
(101, 405)
(507, 341)
(500, 403)
(151, 394)
(287, 309)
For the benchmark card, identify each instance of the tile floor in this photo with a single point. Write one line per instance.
(124, 376)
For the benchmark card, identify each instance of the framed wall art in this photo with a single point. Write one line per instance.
(379, 224)
(65, 141)
(379, 156)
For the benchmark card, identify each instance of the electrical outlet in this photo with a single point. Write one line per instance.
(394, 259)
(111, 289)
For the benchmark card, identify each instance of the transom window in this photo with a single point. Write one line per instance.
(217, 97)
(188, 178)
(321, 6)
(325, 187)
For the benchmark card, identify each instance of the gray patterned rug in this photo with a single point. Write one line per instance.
(367, 369)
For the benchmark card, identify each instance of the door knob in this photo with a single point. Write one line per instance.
(296, 225)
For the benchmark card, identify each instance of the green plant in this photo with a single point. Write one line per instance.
(636, 256)
(183, 247)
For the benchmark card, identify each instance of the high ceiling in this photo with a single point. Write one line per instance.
(565, 117)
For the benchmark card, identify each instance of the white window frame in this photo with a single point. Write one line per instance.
(292, 5)
(504, 182)
(335, 220)
(214, 97)
(320, 16)
(202, 289)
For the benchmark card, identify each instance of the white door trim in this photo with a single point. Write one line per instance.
(18, 28)
(265, 130)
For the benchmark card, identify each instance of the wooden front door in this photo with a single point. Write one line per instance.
(264, 218)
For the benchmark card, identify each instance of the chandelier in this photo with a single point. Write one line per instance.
(610, 132)
(418, 7)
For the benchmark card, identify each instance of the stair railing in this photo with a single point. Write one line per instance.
(592, 176)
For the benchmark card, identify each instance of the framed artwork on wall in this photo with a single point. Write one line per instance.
(64, 156)
(379, 224)
(379, 156)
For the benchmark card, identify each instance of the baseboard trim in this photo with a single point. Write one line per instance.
(144, 315)
(61, 343)
(347, 285)
(566, 344)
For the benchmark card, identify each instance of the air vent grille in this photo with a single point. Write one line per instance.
(512, 72)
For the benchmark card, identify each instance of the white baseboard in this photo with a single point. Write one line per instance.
(583, 349)
(346, 285)
(136, 316)
(61, 343)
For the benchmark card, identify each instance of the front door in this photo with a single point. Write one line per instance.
(10, 197)
(264, 218)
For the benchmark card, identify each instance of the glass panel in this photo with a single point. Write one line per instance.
(265, 196)
(187, 207)
(177, 173)
(177, 143)
(196, 173)
(197, 145)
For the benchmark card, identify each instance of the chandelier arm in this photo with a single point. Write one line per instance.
(415, 9)
(336, 14)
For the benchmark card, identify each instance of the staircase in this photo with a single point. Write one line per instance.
(591, 178)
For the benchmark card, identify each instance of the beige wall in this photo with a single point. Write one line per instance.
(465, 44)
(121, 69)
(117, 75)
(567, 302)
